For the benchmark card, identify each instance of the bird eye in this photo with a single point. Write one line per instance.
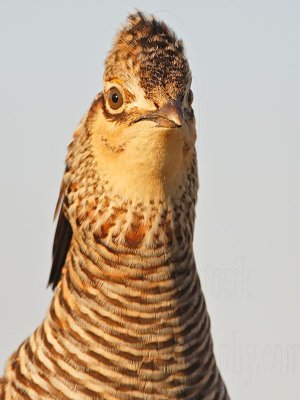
(115, 99)
(190, 97)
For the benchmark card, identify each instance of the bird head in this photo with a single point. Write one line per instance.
(142, 124)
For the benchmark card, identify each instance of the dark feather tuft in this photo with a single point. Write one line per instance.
(61, 244)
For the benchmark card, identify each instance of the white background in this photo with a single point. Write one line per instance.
(245, 60)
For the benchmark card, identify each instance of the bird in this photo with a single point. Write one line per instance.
(128, 319)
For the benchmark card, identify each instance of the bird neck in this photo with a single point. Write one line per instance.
(140, 236)
(130, 294)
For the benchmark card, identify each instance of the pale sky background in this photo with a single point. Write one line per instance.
(245, 59)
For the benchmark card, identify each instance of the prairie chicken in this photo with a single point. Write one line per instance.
(128, 319)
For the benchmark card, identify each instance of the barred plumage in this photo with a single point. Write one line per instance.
(128, 319)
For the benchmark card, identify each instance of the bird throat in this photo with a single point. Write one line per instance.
(158, 226)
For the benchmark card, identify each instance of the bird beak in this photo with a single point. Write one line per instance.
(168, 116)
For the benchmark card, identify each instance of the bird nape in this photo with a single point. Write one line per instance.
(128, 319)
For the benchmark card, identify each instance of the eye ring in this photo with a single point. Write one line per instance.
(115, 98)
(190, 97)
